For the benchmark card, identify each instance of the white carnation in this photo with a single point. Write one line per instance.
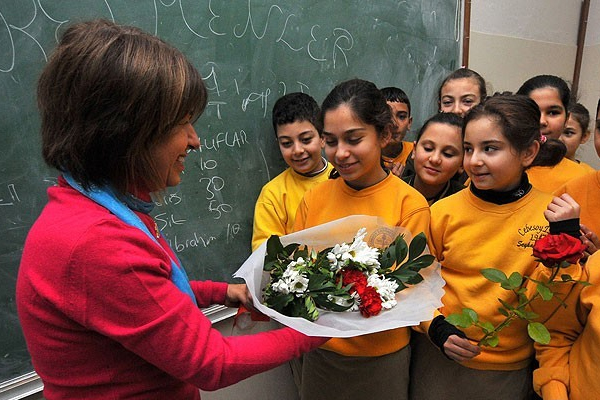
(385, 288)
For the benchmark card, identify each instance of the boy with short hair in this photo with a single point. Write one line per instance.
(397, 151)
(299, 134)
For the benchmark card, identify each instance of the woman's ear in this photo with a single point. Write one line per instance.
(412, 153)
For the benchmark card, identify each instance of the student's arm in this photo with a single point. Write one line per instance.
(269, 218)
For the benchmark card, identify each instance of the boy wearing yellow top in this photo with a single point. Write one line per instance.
(298, 132)
(397, 150)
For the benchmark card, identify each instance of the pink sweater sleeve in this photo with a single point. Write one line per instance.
(126, 294)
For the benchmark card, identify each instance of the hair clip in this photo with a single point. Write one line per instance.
(543, 139)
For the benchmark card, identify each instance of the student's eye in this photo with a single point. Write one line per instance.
(468, 150)
(568, 133)
(306, 140)
(428, 149)
(330, 142)
(555, 112)
(489, 149)
(354, 140)
(285, 144)
(449, 154)
(401, 117)
(447, 103)
(468, 101)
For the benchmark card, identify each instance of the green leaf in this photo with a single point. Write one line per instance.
(417, 245)
(460, 320)
(472, 314)
(506, 305)
(491, 341)
(513, 282)
(544, 291)
(420, 262)
(494, 275)
(487, 327)
(503, 311)
(538, 332)
(274, 246)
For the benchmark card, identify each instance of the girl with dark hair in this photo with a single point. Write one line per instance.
(460, 91)
(105, 305)
(437, 157)
(552, 95)
(356, 121)
(577, 132)
(492, 224)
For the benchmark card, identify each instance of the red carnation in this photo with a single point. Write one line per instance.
(552, 250)
(356, 278)
(370, 302)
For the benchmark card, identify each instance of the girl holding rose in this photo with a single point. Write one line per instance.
(492, 224)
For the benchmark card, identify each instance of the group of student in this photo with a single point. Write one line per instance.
(516, 154)
(107, 310)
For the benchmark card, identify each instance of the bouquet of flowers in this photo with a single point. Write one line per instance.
(382, 274)
(345, 277)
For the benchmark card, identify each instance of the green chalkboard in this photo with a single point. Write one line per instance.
(249, 52)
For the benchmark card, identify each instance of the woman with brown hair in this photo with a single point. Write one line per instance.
(104, 303)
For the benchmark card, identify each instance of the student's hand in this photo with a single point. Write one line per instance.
(238, 294)
(562, 208)
(460, 349)
(590, 239)
(397, 169)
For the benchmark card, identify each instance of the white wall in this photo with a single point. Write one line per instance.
(513, 40)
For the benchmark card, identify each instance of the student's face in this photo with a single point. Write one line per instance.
(300, 146)
(438, 154)
(403, 121)
(554, 115)
(459, 95)
(353, 147)
(573, 136)
(490, 160)
(170, 155)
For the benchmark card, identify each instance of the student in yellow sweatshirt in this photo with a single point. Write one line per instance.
(298, 131)
(397, 151)
(585, 190)
(569, 363)
(577, 132)
(437, 157)
(552, 95)
(491, 224)
(356, 128)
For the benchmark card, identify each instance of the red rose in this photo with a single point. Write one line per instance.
(370, 302)
(554, 249)
(356, 278)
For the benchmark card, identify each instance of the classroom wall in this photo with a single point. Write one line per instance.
(513, 40)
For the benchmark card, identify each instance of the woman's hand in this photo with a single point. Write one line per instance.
(460, 349)
(237, 293)
(562, 208)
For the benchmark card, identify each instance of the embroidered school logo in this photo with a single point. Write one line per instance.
(381, 237)
(530, 233)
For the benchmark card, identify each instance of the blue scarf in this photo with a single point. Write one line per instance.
(108, 198)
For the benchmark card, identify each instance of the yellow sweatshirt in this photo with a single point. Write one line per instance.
(278, 201)
(548, 179)
(569, 363)
(586, 191)
(468, 235)
(407, 148)
(399, 205)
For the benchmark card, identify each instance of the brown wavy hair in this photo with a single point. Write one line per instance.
(108, 97)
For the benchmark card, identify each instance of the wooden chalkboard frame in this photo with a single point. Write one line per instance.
(30, 383)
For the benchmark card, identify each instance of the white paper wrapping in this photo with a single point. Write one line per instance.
(415, 304)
